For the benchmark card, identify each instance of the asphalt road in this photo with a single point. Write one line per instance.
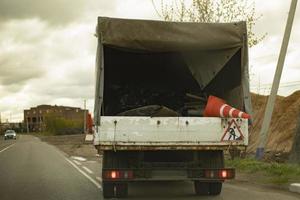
(31, 169)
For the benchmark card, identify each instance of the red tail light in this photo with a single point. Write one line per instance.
(114, 174)
(223, 174)
(219, 173)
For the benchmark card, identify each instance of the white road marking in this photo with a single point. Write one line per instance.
(87, 170)
(76, 162)
(99, 178)
(78, 158)
(84, 174)
(6, 148)
(91, 161)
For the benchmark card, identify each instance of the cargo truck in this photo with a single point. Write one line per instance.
(152, 81)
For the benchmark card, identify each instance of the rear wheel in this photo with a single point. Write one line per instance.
(215, 188)
(121, 190)
(114, 160)
(206, 188)
(201, 188)
(108, 189)
(209, 159)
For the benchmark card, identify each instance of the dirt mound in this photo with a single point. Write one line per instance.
(283, 124)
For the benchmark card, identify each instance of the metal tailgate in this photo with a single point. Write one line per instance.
(171, 131)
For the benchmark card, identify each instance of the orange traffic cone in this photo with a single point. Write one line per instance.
(217, 107)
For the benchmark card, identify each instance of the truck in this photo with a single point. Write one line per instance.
(153, 79)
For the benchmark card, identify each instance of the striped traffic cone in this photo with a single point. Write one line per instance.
(217, 107)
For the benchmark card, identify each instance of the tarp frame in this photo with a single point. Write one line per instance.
(99, 89)
(133, 34)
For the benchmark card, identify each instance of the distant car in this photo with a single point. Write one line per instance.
(10, 134)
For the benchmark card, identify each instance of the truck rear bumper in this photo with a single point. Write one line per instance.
(200, 146)
(205, 175)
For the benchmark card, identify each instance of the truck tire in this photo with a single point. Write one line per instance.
(115, 160)
(209, 159)
(121, 190)
(108, 189)
(201, 188)
(215, 188)
(206, 188)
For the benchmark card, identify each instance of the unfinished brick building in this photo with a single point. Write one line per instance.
(34, 118)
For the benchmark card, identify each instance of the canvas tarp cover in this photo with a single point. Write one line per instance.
(206, 47)
(170, 36)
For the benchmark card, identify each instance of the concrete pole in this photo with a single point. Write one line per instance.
(271, 100)
(27, 125)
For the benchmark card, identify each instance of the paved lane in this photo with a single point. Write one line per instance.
(35, 170)
(5, 143)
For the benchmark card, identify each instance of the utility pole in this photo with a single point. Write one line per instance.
(271, 100)
(27, 125)
(84, 118)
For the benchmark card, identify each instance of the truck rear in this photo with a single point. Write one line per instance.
(153, 79)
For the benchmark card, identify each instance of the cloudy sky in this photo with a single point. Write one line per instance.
(47, 50)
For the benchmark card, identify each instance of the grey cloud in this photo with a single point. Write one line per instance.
(76, 85)
(17, 76)
(57, 91)
(12, 89)
(72, 92)
(82, 77)
(15, 70)
(273, 21)
(54, 11)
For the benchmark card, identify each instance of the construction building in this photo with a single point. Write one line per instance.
(34, 118)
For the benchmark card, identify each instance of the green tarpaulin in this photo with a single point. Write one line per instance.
(215, 53)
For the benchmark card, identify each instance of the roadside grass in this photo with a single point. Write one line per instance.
(275, 173)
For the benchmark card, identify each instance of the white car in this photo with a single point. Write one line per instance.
(10, 134)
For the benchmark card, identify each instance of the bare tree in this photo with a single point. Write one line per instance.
(211, 11)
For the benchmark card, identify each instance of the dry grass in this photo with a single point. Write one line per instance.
(73, 145)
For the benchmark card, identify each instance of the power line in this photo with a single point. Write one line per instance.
(281, 84)
(281, 87)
